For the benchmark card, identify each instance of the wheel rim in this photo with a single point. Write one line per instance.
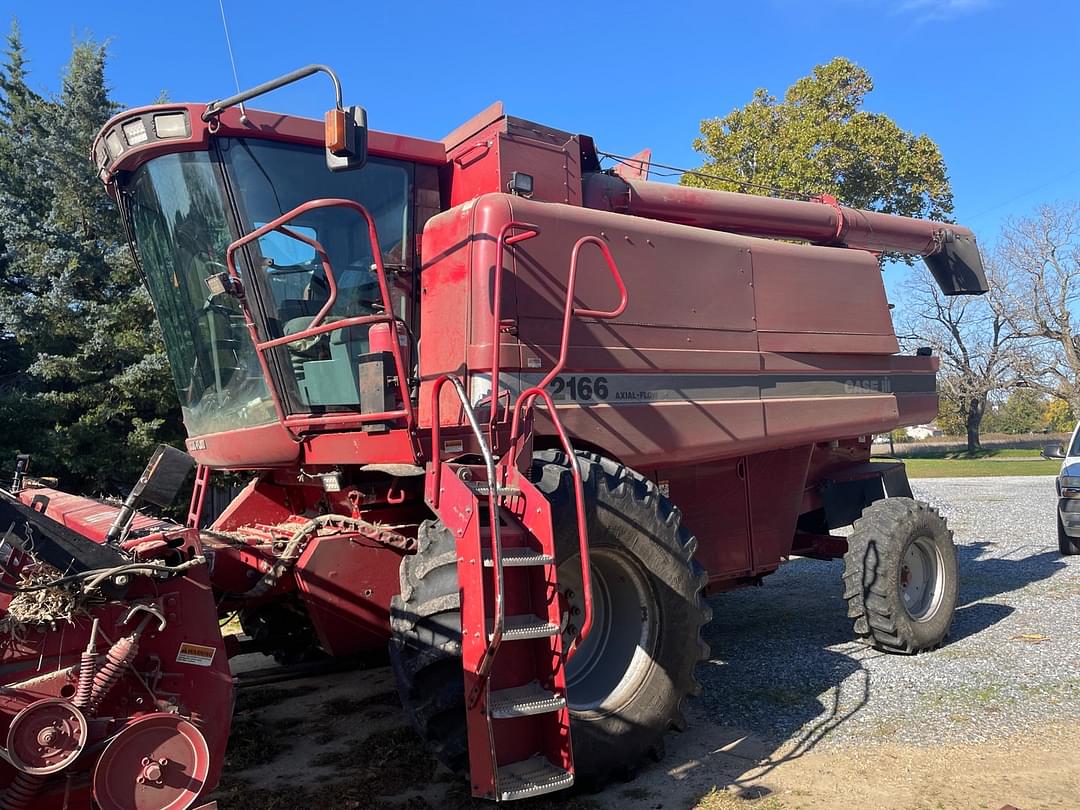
(922, 579)
(609, 667)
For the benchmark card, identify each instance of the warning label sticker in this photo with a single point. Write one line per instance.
(197, 654)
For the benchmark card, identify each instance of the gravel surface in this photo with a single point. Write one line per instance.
(784, 664)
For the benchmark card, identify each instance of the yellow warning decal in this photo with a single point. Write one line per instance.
(197, 654)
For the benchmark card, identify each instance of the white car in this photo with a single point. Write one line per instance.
(1068, 490)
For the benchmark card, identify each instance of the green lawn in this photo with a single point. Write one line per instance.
(964, 455)
(993, 465)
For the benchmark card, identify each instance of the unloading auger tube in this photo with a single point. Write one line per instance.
(950, 250)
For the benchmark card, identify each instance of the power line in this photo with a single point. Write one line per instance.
(1020, 196)
(675, 171)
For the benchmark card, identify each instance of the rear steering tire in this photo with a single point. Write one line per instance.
(627, 683)
(901, 576)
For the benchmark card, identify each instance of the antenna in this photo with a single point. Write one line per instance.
(232, 59)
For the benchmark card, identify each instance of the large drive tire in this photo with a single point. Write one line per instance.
(901, 576)
(628, 681)
(1068, 546)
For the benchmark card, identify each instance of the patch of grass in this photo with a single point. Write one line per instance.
(718, 799)
(342, 706)
(987, 694)
(985, 453)
(253, 697)
(990, 697)
(957, 468)
(251, 743)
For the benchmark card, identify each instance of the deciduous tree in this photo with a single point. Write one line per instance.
(819, 139)
(975, 341)
(1037, 277)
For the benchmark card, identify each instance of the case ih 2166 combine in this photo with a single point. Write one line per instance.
(508, 412)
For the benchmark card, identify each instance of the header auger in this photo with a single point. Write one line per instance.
(507, 413)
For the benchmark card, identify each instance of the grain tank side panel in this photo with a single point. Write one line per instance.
(819, 299)
(729, 345)
(690, 312)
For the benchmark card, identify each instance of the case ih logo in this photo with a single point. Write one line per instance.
(881, 385)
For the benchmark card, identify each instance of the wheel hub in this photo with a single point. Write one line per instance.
(921, 579)
(607, 668)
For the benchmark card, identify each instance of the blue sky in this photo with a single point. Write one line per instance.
(993, 82)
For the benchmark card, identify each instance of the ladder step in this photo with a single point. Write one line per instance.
(518, 558)
(482, 488)
(519, 628)
(521, 701)
(531, 777)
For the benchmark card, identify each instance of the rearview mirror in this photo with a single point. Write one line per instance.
(346, 138)
(1053, 451)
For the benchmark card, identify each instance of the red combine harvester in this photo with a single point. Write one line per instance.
(507, 411)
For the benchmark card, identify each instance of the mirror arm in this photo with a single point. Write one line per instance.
(215, 108)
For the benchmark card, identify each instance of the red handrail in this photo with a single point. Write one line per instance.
(317, 327)
(493, 484)
(579, 504)
(521, 406)
(569, 310)
(527, 397)
(505, 239)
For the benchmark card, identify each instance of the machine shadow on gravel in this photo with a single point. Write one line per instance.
(984, 577)
(776, 686)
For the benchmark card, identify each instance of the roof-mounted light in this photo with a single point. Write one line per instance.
(135, 132)
(114, 143)
(171, 125)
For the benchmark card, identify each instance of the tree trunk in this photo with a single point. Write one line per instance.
(1073, 398)
(976, 405)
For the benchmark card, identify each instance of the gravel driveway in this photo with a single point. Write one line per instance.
(784, 663)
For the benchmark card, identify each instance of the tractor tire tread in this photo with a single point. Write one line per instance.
(871, 575)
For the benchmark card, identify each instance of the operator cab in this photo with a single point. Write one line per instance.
(182, 227)
(186, 198)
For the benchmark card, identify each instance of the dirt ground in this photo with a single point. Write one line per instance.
(1038, 770)
(342, 742)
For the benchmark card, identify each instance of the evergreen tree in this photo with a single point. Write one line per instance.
(92, 385)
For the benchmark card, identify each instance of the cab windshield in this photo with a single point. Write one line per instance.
(182, 230)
